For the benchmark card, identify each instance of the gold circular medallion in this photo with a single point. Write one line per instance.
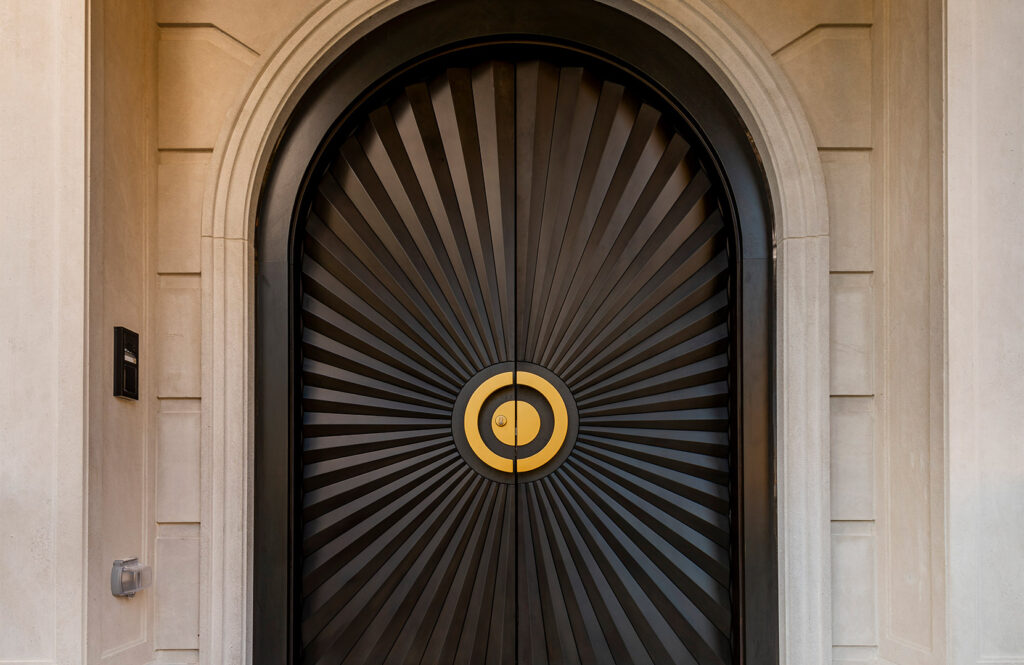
(520, 422)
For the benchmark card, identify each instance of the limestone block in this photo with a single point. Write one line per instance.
(259, 24)
(177, 340)
(179, 212)
(830, 68)
(779, 23)
(201, 74)
(855, 655)
(986, 344)
(853, 584)
(802, 411)
(851, 236)
(853, 458)
(852, 341)
(176, 593)
(26, 530)
(177, 461)
(999, 578)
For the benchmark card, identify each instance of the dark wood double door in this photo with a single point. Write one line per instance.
(514, 388)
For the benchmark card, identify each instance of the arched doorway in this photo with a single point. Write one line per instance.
(552, 213)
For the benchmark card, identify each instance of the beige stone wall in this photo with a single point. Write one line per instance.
(869, 76)
(122, 198)
(206, 52)
(865, 72)
(43, 351)
(985, 135)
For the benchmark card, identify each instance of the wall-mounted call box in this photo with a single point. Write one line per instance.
(126, 363)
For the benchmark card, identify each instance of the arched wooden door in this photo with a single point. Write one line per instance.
(515, 375)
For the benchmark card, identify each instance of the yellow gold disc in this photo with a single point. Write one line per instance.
(516, 423)
(528, 422)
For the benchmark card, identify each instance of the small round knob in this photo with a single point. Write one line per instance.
(500, 421)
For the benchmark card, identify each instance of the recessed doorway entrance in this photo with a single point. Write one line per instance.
(511, 424)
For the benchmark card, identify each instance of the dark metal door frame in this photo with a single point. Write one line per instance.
(622, 41)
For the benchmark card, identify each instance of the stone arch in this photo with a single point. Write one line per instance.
(758, 90)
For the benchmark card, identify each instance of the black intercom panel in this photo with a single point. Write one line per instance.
(126, 363)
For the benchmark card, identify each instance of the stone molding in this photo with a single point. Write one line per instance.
(744, 68)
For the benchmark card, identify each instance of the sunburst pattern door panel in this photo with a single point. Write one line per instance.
(622, 293)
(514, 369)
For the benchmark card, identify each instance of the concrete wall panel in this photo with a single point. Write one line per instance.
(181, 178)
(177, 341)
(43, 281)
(853, 588)
(201, 73)
(177, 461)
(848, 175)
(177, 590)
(853, 333)
(985, 246)
(831, 69)
(853, 458)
